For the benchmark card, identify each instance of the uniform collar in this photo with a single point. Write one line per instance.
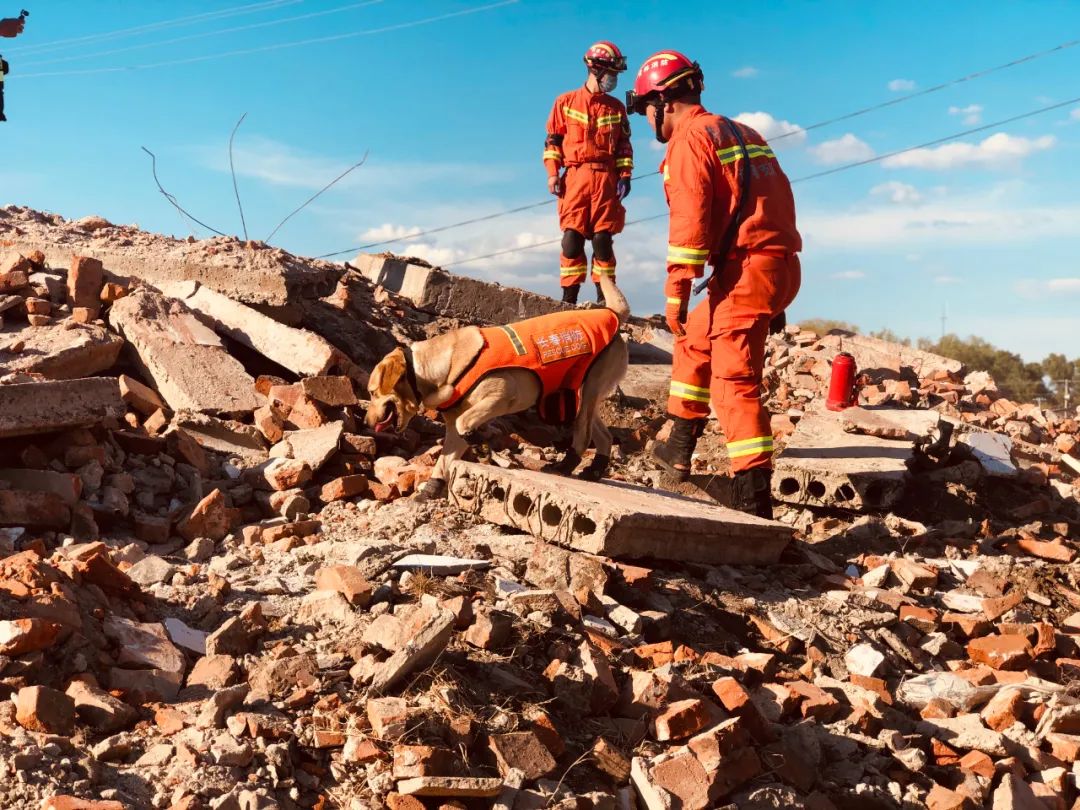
(686, 120)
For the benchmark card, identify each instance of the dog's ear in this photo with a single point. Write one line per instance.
(386, 375)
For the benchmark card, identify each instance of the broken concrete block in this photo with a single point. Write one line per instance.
(62, 353)
(29, 408)
(100, 710)
(992, 450)
(435, 290)
(67, 485)
(334, 391)
(424, 636)
(824, 466)
(45, 510)
(451, 786)
(314, 446)
(188, 363)
(298, 350)
(614, 519)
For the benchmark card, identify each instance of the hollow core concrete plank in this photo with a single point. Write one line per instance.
(615, 519)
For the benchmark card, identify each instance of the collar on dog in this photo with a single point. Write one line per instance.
(410, 375)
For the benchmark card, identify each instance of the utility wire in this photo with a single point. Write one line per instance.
(847, 116)
(278, 46)
(204, 34)
(315, 196)
(232, 171)
(816, 175)
(235, 11)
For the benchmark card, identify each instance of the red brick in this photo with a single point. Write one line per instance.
(521, 750)
(736, 700)
(944, 756)
(681, 719)
(713, 746)
(84, 282)
(420, 760)
(1001, 652)
(39, 708)
(346, 580)
(20, 636)
(1004, 709)
(656, 655)
(609, 759)
(978, 763)
(73, 803)
(875, 685)
(815, 702)
(1065, 747)
(348, 486)
(922, 618)
(941, 798)
(387, 717)
(544, 728)
(936, 708)
(1052, 551)
(210, 518)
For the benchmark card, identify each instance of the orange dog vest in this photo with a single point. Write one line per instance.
(558, 348)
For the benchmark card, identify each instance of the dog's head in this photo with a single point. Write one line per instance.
(393, 400)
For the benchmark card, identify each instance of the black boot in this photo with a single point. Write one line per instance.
(600, 295)
(751, 492)
(674, 455)
(569, 294)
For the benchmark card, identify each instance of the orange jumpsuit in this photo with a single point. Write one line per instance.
(559, 348)
(589, 135)
(722, 355)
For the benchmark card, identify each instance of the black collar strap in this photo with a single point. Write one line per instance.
(410, 375)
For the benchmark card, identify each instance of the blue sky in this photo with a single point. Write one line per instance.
(449, 100)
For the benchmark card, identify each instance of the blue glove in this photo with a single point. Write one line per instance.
(622, 187)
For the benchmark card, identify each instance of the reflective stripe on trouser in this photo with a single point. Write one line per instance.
(602, 268)
(721, 357)
(572, 271)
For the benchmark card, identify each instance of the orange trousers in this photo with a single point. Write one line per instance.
(721, 357)
(589, 205)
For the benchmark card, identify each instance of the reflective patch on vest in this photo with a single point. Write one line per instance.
(515, 341)
(561, 345)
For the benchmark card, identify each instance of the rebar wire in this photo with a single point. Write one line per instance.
(171, 198)
(232, 170)
(317, 194)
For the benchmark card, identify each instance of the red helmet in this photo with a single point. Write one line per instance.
(666, 75)
(605, 55)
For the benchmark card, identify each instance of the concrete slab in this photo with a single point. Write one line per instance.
(30, 408)
(900, 424)
(874, 353)
(822, 465)
(993, 451)
(313, 446)
(435, 290)
(248, 272)
(63, 353)
(223, 436)
(187, 362)
(615, 519)
(298, 350)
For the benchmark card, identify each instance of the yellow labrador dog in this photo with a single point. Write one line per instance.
(565, 363)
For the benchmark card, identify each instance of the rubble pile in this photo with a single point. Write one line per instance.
(214, 594)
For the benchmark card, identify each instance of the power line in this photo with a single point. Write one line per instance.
(855, 114)
(204, 34)
(235, 11)
(278, 46)
(816, 175)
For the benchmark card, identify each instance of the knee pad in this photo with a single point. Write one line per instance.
(602, 246)
(573, 244)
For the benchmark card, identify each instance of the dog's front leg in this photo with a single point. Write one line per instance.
(454, 447)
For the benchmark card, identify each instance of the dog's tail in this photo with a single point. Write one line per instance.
(614, 299)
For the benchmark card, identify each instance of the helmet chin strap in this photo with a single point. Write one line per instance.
(658, 121)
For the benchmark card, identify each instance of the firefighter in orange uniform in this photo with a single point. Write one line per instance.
(588, 135)
(731, 207)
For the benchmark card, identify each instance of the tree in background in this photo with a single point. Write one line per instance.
(1019, 381)
(1062, 376)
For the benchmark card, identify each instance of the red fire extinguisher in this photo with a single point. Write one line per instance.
(842, 383)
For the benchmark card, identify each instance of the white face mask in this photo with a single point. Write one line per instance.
(608, 81)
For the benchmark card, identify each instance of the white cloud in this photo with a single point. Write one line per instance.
(389, 231)
(1075, 114)
(978, 219)
(897, 192)
(772, 128)
(1064, 285)
(971, 114)
(845, 149)
(901, 85)
(999, 150)
(946, 280)
(748, 72)
(848, 275)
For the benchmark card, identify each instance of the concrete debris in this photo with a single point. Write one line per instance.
(243, 609)
(616, 520)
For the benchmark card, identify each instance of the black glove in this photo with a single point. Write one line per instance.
(622, 187)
